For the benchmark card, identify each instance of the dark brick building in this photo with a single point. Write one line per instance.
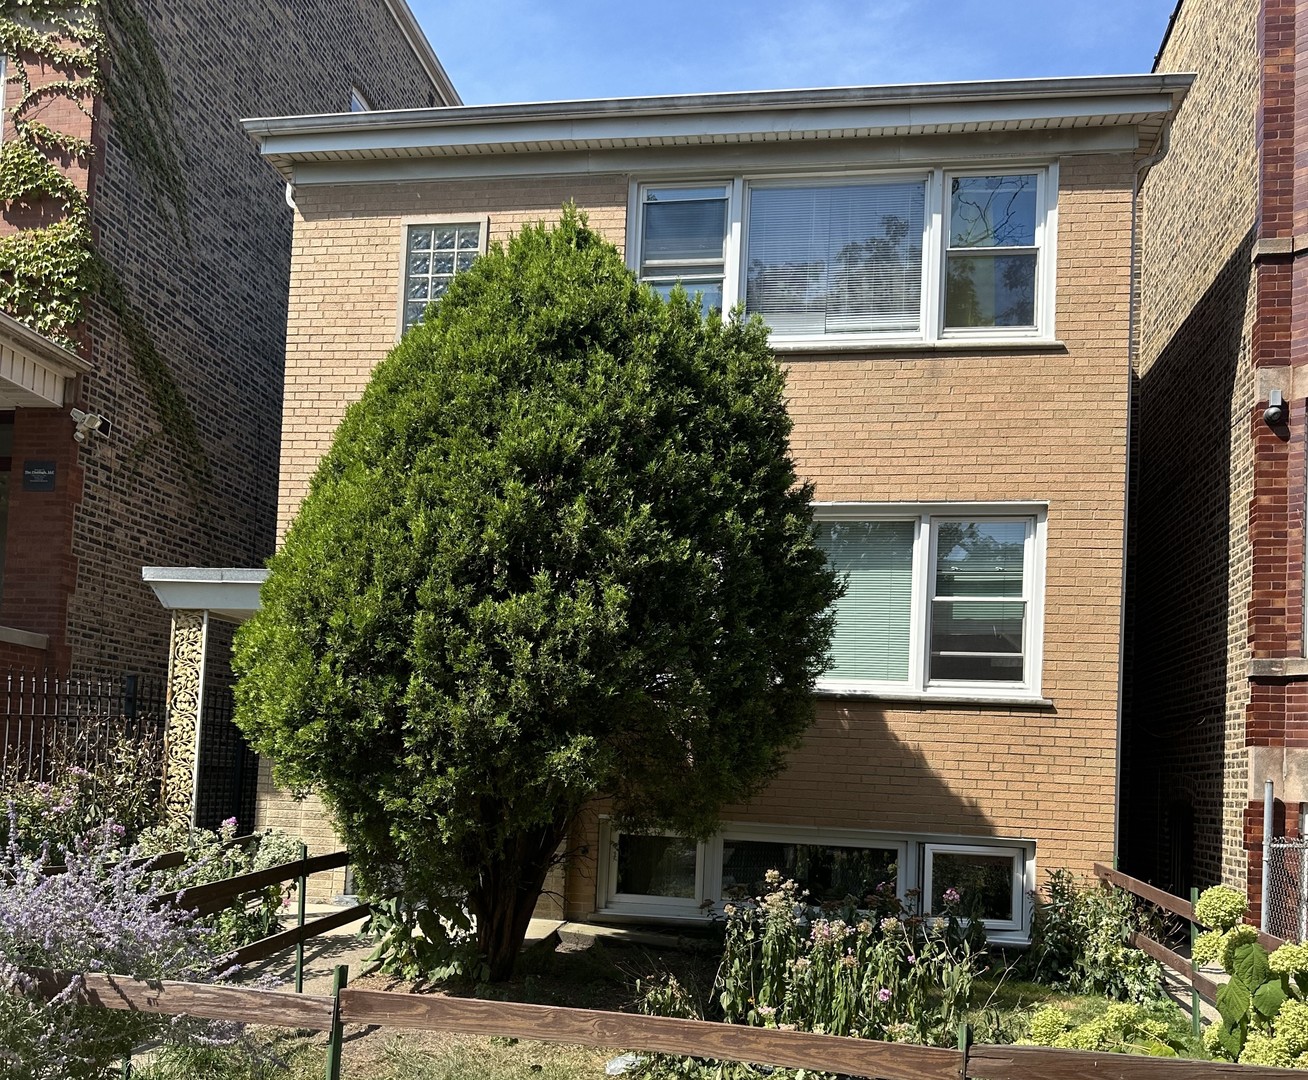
(189, 380)
(1218, 688)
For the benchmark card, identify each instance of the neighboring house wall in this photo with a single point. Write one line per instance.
(952, 425)
(1219, 688)
(213, 301)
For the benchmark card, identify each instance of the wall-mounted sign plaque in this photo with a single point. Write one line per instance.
(38, 476)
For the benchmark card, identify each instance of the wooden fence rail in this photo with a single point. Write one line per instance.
(652, 1034)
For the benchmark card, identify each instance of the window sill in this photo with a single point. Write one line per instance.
(1025, 701)
(12, 636)
(945, 345)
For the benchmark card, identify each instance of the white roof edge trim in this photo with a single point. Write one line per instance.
(422, 47)
(53, 355)
(1174, 86)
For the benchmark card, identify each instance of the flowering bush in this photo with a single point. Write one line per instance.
(122, 788)
(99, 915)
(787, 964)
(1264, 1015)
(1220, 907)
(1122, 1028)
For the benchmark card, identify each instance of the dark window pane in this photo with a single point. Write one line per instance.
(990, 290)
(656, 866)
(977, 641)
(708, 290)
(980, 558)
(992, 211)
(679, 230)
(984, 884)
(827, 872)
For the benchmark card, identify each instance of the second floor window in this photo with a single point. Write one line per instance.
(926, 255)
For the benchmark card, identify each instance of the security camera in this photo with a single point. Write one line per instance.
(87, 424)
(1276, 410)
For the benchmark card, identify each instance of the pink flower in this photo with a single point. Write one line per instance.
(231, 823)
(951, 896)
(883, 994)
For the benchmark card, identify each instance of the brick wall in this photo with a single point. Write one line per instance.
(215, 304)
(953, 425)
(1185, 736)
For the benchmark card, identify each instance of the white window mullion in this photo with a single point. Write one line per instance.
(733, 287)
(932, 260)
(924, 568)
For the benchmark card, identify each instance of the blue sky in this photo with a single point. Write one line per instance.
(531, 50)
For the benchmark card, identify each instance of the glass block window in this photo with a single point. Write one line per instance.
(433, 255)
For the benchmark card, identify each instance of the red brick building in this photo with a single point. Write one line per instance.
(183, 361)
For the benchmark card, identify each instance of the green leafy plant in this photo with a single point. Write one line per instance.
(558, 551)
(1081, 942)
(424, 944)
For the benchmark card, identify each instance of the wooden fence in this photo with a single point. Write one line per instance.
(651, 1034)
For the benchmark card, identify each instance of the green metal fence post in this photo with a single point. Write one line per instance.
(334, 1038)
(964, 1045)
(299, 945)
(127, 1065)
(1196, 1015)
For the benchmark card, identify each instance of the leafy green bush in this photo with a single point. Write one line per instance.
(423, 944)
(1081, 943)
(213, 856)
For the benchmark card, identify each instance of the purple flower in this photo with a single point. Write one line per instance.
(912, 959)
(231, 823)
(951, 896)
(883, 995)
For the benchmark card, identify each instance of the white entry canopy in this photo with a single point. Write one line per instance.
(34, 371)
(229, 592)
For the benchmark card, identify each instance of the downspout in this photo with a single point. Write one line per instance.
(1137, 182)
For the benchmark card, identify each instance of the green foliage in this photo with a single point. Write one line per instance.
(421, 945)
(45, 274)
(1220, 907)
(787, 964)
(214, 856)
(1081, 942)
(1122, 1028)
(557, 551)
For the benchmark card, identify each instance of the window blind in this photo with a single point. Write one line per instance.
(874, 617)
(836, 259)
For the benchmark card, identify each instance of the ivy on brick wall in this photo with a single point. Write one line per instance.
(49, 271)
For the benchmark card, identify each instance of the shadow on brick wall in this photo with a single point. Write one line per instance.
(1179, 585)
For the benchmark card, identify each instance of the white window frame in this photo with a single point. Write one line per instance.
(914, 851)
(927, 517)
(931, 330)
(1046, 229)
(427, 221)
(1023, 881)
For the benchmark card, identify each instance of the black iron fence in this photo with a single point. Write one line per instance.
(228, 771)
(51, 722)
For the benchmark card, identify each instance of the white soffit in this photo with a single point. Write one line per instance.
(230, 592)
(34, 372)
(1035, 108)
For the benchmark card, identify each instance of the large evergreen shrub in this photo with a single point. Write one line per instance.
(557, 551)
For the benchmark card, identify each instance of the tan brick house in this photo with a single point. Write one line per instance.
(1218, 688)
(201, 256)
(947, 270)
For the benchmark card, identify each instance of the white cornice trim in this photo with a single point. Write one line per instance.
(426, 54)
(1036, 107)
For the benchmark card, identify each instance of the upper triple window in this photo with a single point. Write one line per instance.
(922, 256)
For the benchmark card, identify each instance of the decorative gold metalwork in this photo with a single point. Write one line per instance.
(181, 742)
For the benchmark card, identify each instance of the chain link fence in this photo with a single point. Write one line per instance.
(1287, 888)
